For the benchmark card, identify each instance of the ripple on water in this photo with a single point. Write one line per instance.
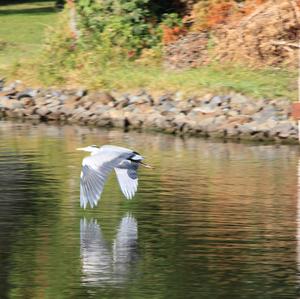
(211, 220)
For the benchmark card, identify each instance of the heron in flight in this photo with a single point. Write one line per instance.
(97, 166)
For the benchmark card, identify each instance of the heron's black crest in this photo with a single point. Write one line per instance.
(134, 157)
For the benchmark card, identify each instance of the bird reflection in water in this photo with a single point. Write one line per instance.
(103, 263)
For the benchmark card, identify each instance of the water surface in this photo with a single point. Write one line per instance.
(212, 220)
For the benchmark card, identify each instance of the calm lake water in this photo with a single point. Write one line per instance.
(212, 220)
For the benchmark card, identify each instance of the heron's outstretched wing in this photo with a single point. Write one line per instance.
(95, 170)
(128, 179)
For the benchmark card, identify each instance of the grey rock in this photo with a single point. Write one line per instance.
(164, 98)
(220, 120)
(248, 128)
(63, 98)
(102, 97)
(81, 93)
(283, 129)
(39, 101)
(210, 106)
(231, 132)
(88, 105)
(104, 122)
(53, 103)
(79, 111)
(4, 100)
(238, 99)
(27, 101)
(207, 123)
(54, 115)
(99, 110)
(264, 114)
(43, 111)
(122, 103)
(66, 111)
(16, 104)
(183, 106)
(248, 108)
(219, 101)
(28, 111)
(178, 97)
(232, 113)
(205, 109)
(12, 86)
(27, 93)
(55, 93)
(92, 120)
(141, 99)
(8, 104)
(49, 100)
(33, 117)
(167, 105)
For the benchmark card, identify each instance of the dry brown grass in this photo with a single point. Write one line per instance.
(260, 33)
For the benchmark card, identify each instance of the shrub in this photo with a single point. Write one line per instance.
(172, 28)
(59, 51)
(117, 27)
(111, 33)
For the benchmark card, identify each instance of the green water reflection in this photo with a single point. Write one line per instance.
(212, 220)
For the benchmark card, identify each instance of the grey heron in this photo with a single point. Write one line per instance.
(97, 166)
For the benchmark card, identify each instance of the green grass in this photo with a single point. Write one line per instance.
(22, 29)
(267, 83)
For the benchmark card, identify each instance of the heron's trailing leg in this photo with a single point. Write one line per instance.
(145, 165)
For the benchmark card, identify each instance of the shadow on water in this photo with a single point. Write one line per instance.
(26, 196)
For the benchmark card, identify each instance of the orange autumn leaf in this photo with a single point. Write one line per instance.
(171, 34)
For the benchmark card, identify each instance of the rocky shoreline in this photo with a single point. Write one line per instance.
(230, 117)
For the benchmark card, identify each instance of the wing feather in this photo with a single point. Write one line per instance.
(128, 179)
(95, 170)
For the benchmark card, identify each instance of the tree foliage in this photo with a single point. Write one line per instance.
(120, 26)
(113, 32)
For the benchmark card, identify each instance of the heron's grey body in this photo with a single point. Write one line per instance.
(97, 166)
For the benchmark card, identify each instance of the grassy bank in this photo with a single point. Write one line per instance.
(257, 83)
(266, 83)
(21, 39)
(22, 29)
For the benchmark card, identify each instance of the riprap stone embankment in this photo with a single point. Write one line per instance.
(228, 116)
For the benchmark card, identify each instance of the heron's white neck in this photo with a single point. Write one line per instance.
(95, 151)
(91, 149)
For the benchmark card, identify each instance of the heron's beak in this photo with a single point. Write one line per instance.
(80, 149)
(146, 165)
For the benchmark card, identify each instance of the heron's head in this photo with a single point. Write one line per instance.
(91, 148)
